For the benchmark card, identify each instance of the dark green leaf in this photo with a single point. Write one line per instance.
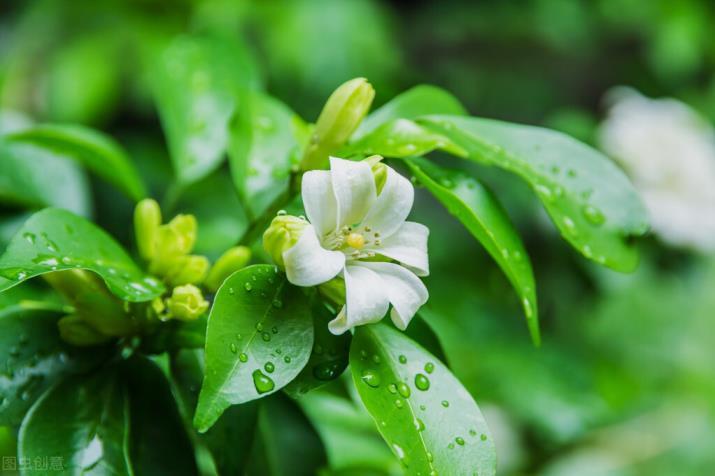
(33, 357)
(418, 101)
(35, 178)
(55, 240)
(287, 443)
(258, 338)
(263, 149)
(96, 151)
(427, 417)
(480, 212)
(329, 357)
(197, 85)
(589, 199)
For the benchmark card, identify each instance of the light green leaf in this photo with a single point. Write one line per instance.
(329, 356)
(33, 357)
(34, 178)
(418, 101)
(197, 85)
(263, 149)
(55, 240)
(258, 338)
(479, 211)
(427, 417)
(589, 199)
(93, 149)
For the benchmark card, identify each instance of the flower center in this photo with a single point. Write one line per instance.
(355, 240)
(352, 240)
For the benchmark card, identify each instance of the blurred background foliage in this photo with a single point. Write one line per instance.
(623, 384)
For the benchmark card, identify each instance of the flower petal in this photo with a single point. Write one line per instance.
(406, 292)
(319, 201)
(365, 300)
(392, 206)
(408, 245)
(354, 188)
(307, 263)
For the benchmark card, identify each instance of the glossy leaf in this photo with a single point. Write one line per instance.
(258, 338)
(93, 149)
(427, 417)
(589, 199)
(418, 101)
(197, 86)
(263, 149)
(33, 357)
(329, 356)
(55, 240)
(34, 178)
(287, 444)
(479, 211)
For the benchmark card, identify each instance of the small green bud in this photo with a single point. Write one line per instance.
(76, 331)
(176, 238)
(341, 115)
(186, 303)
(379, 171)
(281, 235)
(231, 261)
(333, 291)
(191, 269)
(147, 219)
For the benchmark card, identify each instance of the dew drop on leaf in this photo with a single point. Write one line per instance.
(429, 367)
(403, 389)
(370, 378)
(269, 367)
(445, 403)
(422, 382)
(243, 357)
(402, 359)
(233, 348)
(262, 382)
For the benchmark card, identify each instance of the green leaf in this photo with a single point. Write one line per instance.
(55, 240)
(35, 178)
(418, 101)
(33, 357)
(427, 417)
(263, 149)
(329, 357)
(83, 423)
(287, 443)
(93, 149)
(258, 339)
(589, 199)
(197, 85)
(479, 211)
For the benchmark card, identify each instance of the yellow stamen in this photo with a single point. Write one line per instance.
(355, 240)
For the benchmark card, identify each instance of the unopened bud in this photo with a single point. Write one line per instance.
(231, 261)
(186, 303)
(281, 235)
(341, 115)
(333, 291)
(191, 269)
(176, 238)
(76, 331)
(379, 171)
(147, 219)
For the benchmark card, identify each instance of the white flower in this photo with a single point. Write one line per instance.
(351, 227)
(668, 151)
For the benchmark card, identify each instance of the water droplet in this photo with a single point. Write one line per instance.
(376, 359)
(399, 403)
(274, 330)
(277, 303)
(571, 173)
(233, 348)
(419, 424)
(423, 407)
(429, 367)
(266, 337)
(327, 370)
(243, 357)
(473, 432)
(262, 382)
(459, 440)
(30, 237)
(450, 446)
(570, 226)
(231, 291)
(422, 382)
(287, 359)
(593, 215)
(430, 457)
(392, 388)
(281, 213)
(259, 326)
(269, 367)
(483, 437)
(248, 286)
(371, 378)
(445, 403)
(403, 389)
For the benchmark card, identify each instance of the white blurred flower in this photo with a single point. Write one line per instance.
(668, 151)
(351, 228)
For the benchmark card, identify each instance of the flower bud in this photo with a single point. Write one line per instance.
(191, 269)
(281, 235)
(186, 303)
(176, 238)
(333, 291)
(379, 171)
(340, 116)
(147, 219)
(76, 331)
(231, 261)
